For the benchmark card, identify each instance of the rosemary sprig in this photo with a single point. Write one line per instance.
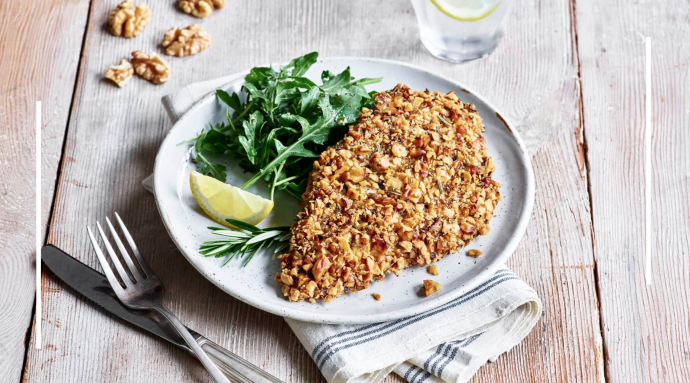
(248, 239)
(443, 120)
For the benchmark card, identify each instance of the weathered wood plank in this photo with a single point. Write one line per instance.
(40, 43)
(646, 329)
(114, 135)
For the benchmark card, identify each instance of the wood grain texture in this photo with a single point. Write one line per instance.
(40, 53)
(646, 328)
(114, 135)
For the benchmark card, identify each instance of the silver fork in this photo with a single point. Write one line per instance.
(146, 293)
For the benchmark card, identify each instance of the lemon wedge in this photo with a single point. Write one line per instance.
(221, 201)
(466, 10)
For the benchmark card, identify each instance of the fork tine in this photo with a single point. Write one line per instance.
(104, 264)
(113, 256)
(142, 262)
(125, 255)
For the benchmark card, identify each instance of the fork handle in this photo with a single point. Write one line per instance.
(203, 357)
(233, 365)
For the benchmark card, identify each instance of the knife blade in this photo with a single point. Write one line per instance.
(95, 286)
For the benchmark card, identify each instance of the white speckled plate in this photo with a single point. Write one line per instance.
(254, 284)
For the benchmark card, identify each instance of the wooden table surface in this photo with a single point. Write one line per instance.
(569, 73)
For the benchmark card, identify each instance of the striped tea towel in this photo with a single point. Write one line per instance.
(447, 344)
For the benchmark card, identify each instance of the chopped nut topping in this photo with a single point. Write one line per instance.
(128, 20)
(151, 67)
(431, 287)
(186, 41)
(376, 296)
(200, 8)
(433, 270)
(474, 253)
(120, 74)
(373, 205)
(398, 150)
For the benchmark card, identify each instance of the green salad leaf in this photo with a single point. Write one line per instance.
(281, 122)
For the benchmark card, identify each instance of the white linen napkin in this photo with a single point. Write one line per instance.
(447, 344)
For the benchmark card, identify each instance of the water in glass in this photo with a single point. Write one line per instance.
(445, 35)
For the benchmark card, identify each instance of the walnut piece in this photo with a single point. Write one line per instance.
(474, 253)
(433, 270)
(128, 20)
(200, 8)
(431, 287)
(120, 74)
(186, 41)
(376, 296)
(151, 67)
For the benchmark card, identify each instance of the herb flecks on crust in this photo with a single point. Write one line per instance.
(409, 184)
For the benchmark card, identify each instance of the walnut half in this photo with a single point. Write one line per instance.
(200, 8)
(127, 20)
(186, 41)
(120, 74)
(151, 67)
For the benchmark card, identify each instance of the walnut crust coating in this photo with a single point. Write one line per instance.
(409, 184)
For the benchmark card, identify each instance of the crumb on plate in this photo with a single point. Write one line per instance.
(474, 253)
(431, 287)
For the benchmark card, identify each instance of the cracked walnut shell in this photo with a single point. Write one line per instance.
(120, 74)
(200, 8)
(128, 20)
(151, 67)
(186, 41)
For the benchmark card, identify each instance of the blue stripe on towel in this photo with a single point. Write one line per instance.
(408, 372)
(325, 354)
(435, 354)
(455, 351)
(425, 373)
(403, 323)
(446, 349)
(384, 325)
(417, 373)
(325, 342)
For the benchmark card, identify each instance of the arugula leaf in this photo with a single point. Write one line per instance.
(206, 167)
(249, 140)
(300, 65)
(214, 141)
(280, 123)
(298, 150)
(232, 101)
(285, 92)
(259, 75)
(341, 111)
(309, 100)
(332, 82)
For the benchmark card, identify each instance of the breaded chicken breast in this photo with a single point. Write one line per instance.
(409, 184)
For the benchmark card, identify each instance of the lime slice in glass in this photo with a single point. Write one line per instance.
(466, 10)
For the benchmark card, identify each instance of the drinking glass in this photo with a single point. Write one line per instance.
(461, 30)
